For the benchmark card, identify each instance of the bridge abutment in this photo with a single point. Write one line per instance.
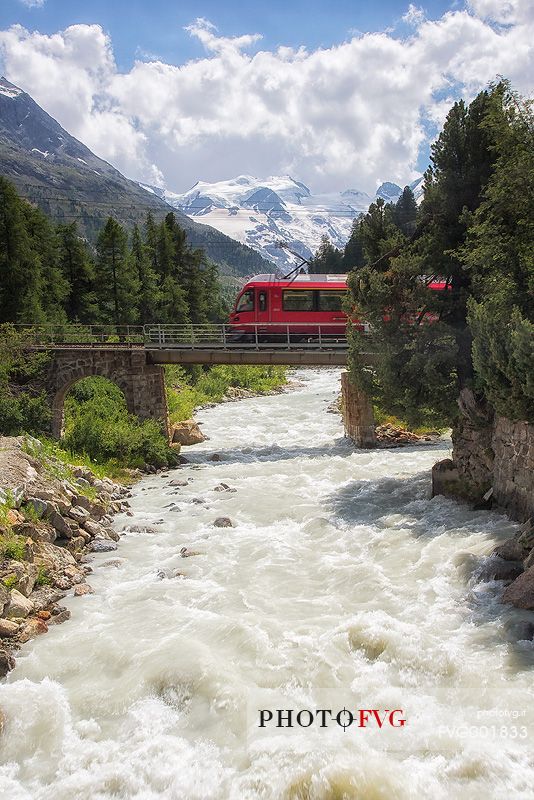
(358, 416)
(142, 384)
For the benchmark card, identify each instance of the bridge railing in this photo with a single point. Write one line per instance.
(301, 335)
(252, 336)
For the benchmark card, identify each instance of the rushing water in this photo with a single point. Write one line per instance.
(342, 582)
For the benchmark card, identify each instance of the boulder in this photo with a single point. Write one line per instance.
(79, 514)
(510, 550)
(19, 606)
(102, 546)
(31, 628)
(520, 593)
(83, 588)
(38, 506)
(497, 569)
(94, 528)
(223, 522)
(8, 628)
(58, 522)
(7, 663)
(4, 598)
(177, 482)
(215, 457)
(187, 433)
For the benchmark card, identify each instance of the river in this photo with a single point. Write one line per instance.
(342, 585)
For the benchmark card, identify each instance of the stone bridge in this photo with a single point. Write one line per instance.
(136, 367)
(141, 383)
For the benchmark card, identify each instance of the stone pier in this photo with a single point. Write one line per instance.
(358, 416)
(141, 383)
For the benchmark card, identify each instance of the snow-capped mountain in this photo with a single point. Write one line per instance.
(262, 213)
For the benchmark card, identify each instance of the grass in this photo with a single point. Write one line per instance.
(59, 462)
(189, 390)
(382, 418)
(12, 546)
(42, 577)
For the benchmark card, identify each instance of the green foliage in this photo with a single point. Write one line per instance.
(188, 390)
(10, 582)
(12, 546)
(98, 424)
(22, 407)
(116, 282)
(421, 338)
(328, 259)
(43, 579)
(503, 355)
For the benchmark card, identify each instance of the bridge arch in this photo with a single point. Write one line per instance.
(142, 384)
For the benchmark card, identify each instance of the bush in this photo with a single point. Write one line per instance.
(97, 423)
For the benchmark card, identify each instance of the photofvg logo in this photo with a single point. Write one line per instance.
(429, 719)
(325, 717)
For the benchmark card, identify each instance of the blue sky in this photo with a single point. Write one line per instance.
(337, 94)
(157, 28)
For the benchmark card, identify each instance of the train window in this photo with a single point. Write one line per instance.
(262, 301)
(246, 301)
(297, 300)
(331, 301)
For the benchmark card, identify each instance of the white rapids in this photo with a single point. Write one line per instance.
(340, 575)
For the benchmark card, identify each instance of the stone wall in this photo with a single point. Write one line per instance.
(358, 416)
(491, 456)
(513, 468)
(142, 384)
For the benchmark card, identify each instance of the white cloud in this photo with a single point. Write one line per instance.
(340, 117)
(414, 16)
(33, 3)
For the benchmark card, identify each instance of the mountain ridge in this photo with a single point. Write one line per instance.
(263, 212)
(57, 172)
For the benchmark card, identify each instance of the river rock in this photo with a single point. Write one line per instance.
(4, 598)
(520, 593)
(7, 663)
(8, 628)
(94, 529)
(186, 553)
(510, 550)
(19, 606)
(58, 522)
(32, 627)
(215, 457)
(223, 487)
(223, 522)
(59, 615)
(79, 514)
(45, 597)
(102, 546)
(83, 588)
(187, 433)
(177, 482)
(499, 569)
(38, 506)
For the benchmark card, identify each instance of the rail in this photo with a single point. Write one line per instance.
(266, 336)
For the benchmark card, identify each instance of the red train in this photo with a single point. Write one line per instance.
(301, 306)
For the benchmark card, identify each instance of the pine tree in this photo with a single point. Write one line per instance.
(78, 270)
(421, 368)
(21, 283)
(353, 256)
(147, 278)
(327, 260)
(405, 211)
(44, 244)
(173, 308)
(117, 285)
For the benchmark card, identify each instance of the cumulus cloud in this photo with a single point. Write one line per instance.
(345, 116)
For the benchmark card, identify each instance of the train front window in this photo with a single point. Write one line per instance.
(331, 301)
(262, 301)
(297, 300)
(246, 302)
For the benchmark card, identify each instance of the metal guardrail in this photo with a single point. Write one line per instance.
(266, 336)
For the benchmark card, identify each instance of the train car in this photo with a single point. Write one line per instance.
(303, 306)
(308, 304)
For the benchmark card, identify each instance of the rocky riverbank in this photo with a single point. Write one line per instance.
(51, 517)
(513, 561)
